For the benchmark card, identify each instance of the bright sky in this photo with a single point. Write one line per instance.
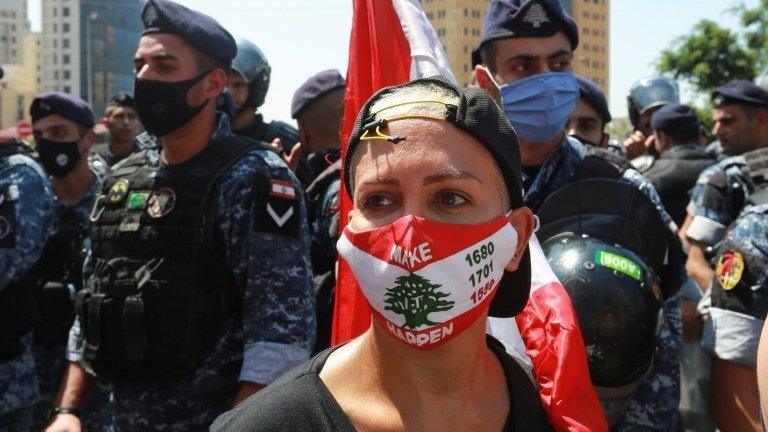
(301, 37)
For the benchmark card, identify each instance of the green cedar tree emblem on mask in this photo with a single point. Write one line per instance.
(415, 298)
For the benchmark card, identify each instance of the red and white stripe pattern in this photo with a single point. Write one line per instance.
(437, 252)
(283, 189)
(386, 49)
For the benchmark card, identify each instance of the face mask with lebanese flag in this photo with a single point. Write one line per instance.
(428, 281)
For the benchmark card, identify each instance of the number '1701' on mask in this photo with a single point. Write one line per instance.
(428, 281)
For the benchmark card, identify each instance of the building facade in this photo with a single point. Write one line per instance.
(20, 83)
(14, 25)
(88, 46)
(459, 25)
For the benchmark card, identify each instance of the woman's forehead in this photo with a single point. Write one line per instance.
(428, 146)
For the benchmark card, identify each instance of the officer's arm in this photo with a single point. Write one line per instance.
(268, 251)
(733, 399)
(26, 220)
(74, 387)
(698, 266)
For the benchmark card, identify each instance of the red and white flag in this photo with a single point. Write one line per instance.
(393, 42)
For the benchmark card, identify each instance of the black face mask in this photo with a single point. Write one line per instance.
(58, 158)
(162, 106)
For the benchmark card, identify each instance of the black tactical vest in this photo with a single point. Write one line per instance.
(160, 291)
(56, 277)
(674, 175)
(16, 299)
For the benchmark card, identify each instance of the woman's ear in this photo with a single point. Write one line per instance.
(525, 224)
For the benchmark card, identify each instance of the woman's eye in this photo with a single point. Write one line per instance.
(376, 201)
(451, 199)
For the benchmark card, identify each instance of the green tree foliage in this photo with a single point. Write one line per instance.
(755, 22)
(709, 56)
(415, 298)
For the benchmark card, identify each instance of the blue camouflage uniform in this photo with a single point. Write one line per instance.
(717, 199)
(739, 292)
(28, 215)
(277, 329)
(655, 405)
(50, 360)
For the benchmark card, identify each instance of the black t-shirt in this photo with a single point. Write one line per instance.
(299, 401)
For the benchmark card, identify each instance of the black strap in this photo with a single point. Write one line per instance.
(601, 163)
(135, 330)
(95, 303)
(328, 175)
(525, 403)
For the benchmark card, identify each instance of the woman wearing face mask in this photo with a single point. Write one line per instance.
(437, 241)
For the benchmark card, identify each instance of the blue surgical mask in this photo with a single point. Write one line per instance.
(539, 106)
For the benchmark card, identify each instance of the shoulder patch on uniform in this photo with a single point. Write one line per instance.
(283, 189)
(729, 269)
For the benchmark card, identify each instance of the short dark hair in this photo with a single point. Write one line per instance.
(206, 63)
(488, 55)
(684, 136)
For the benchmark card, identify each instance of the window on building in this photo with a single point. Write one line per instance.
(67, 75)
(586, 47)
(67, 89)
(65, 43)
(65, 11)
(55, 12)
(65, 59)
(466, 12)
(466, 31)
(466, 49)
(65, 28)
(55, 27)
(55, 43)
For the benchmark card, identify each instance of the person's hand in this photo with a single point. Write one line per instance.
(64, 423)
(292, 159)
(277, 146)
(635, 145)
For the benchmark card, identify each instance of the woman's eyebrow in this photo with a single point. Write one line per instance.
(450, 174)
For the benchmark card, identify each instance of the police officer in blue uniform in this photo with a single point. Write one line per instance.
(680, 157)
(737, 304)
(722, 190)
(588, 121)
(248, 85)
(63, 129)
(27, 215)
(552, 160)
(198, 288)
(646, 96)
(318, 108)
(123, 125)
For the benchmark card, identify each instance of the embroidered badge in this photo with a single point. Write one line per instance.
(730, 268)
(283, 189)
(161, 202)
(117, 192)
(536, 15)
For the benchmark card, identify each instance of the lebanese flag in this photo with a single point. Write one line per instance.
(393, 42)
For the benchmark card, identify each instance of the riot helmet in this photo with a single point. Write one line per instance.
(617, 297)
(251, 63)
(648, 93)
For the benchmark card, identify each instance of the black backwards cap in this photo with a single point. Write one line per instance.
(527, 18)
(200, 30)
(63, 104)
(594, 96)
(479, 115)
(740, 92)
(675, 118)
